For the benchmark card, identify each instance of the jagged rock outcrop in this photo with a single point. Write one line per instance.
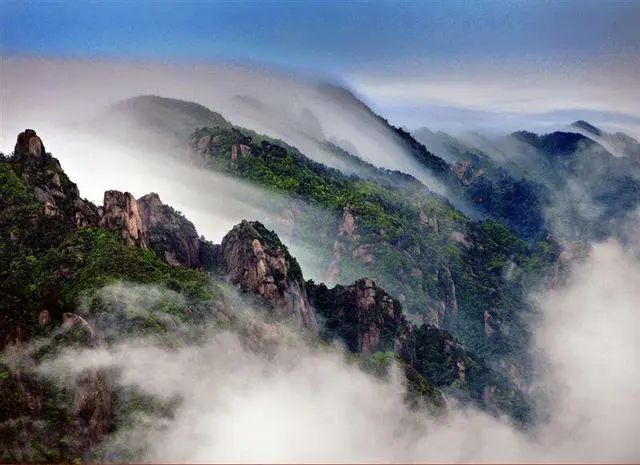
(256, 260)
(51, 187)
(148, 223)
(346, 234)
(171, 235)
(143, 223)
(121, 214)
(465, 172)
(362, 315)
(29, 142)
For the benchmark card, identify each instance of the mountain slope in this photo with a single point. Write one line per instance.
(570, 183)
(79, 276)
(619, 143)
(470, 278)
(591, 191)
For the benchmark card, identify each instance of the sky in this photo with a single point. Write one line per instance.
(414, 61)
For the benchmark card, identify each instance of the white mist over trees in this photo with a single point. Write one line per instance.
(293, 402)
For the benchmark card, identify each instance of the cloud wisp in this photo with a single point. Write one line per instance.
(300, 404)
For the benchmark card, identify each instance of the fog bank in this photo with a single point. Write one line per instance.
(298, 404)
(301, 111)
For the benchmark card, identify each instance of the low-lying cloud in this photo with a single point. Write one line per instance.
(299, 404)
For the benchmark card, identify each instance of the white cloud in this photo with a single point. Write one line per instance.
(297, 404)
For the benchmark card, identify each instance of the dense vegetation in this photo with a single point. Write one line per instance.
(52, 264)
(423, 250)
(47, 263)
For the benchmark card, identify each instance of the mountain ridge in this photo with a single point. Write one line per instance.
(68, 250)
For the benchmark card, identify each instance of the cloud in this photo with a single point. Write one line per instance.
(295, 403)
(295, 108)
(590, 336)
(515, 94)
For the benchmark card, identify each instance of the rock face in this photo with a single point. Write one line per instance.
(51, 187)
(240, 150)
(362, 315)
(256, 260)
(346, 234)
(170, 235)
(29, 142)
(448, 298)
(148, 223)
(465, 172)
(121, 214)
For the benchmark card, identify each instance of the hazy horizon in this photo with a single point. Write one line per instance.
(444, 65)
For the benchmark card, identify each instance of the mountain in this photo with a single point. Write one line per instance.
(619, 143)
(540, 199)
(155, 122)
(467, 277)
(541, 196)
(566, 183)
(499, 191)
(591, 191)
(166, 115)
(408, 239)
(72, 274)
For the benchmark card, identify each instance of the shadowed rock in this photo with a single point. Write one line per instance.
(363, 315)
(120, 214)
(170, 235)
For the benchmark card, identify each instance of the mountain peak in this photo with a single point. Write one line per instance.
(29, 142)
(588, 127)
(254, 258)
(158, 119)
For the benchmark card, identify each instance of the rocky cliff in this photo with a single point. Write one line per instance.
(255, 259)
(362, 315)
(120, 213)
(172, 236)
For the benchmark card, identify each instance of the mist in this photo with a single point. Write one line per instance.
(304, 112)
(294, 403)
(67, 102)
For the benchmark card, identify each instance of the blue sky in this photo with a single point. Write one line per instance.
(326, 36)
